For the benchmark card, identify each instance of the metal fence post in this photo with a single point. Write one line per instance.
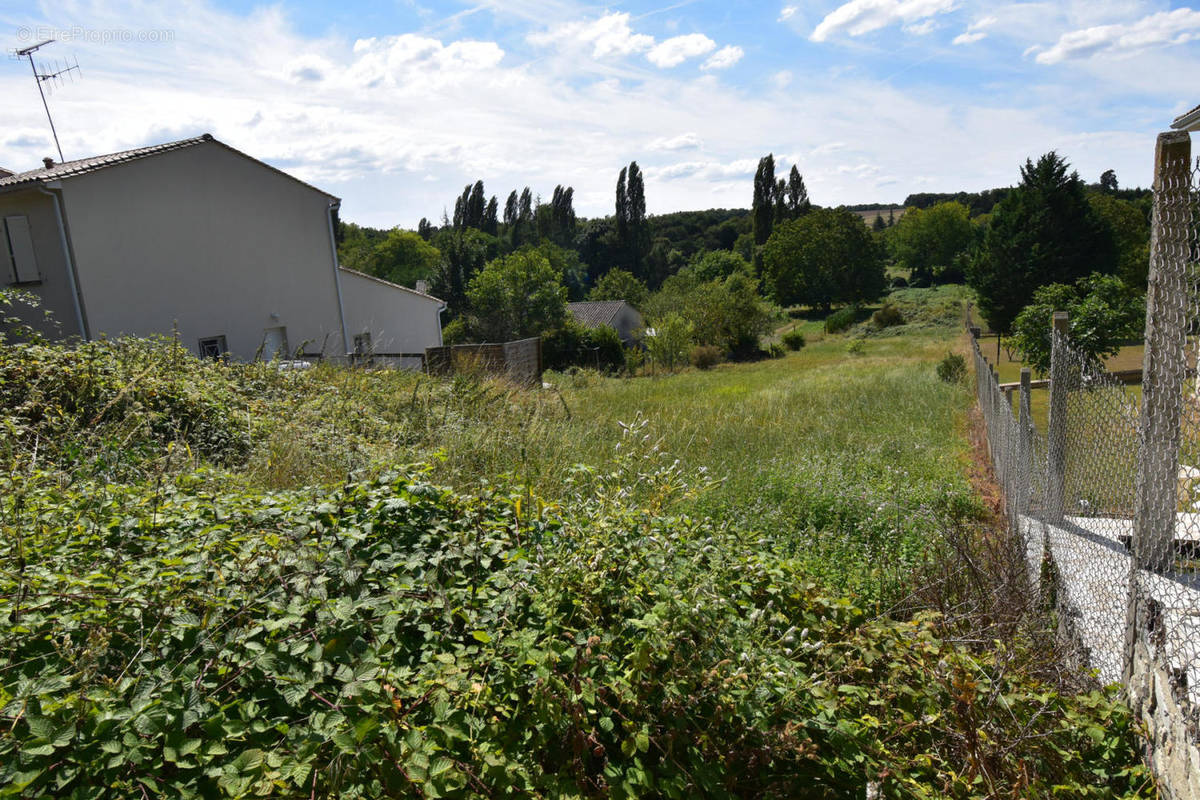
(1164, 363)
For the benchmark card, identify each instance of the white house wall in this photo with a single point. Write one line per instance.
(209, 240)
(398, 321)
(54, 289)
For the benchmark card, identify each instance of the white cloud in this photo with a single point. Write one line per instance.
(787, 12)
(1118, 40)
(708, 170)
(863, 16)
(921, 28)
(782, 79)
(396, 60)
(674, 51)
(684, 141)
(974, 31)
(610, 35)
(724, 58)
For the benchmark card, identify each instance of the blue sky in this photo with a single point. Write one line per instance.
(394, 106)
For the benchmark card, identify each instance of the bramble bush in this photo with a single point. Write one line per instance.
(392, 638)
(169, 628)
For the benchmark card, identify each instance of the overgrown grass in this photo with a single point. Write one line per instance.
(767, 579)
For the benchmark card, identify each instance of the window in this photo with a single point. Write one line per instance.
(16, 245)
(213, 347)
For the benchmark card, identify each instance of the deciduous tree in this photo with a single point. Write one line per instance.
(827, 256)
(1102, 312)
(516, 296)
(619, 284)
(928, 241)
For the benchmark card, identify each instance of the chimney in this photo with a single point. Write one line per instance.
(422, 287)
(48, 161)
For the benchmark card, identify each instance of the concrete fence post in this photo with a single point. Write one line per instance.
(1164, 364)
(1024, 448)
(1056, 430)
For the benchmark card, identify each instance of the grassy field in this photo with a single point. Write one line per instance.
(762, 580)
(1009, 365)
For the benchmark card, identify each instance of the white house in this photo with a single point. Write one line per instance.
(195, 236)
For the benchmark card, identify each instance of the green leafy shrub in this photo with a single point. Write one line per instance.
(841, 320)
(456, 332)
(887, 316)
(1102, 312)
(793, 339)
(669, 341)
(952, 368)
(705, 356)
(137, 392)
(391, 638)
(857, 348)
(576, 345)
(775, 350)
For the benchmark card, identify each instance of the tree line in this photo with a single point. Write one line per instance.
(1051, 228)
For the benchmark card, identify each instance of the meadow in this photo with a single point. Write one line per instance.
(773, 580)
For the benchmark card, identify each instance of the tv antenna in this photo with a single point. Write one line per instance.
(55, 78)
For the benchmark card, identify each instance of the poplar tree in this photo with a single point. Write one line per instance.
(797, 194)
(763, 209)
(510, 209)
(490, 224)
(475, 207)
(425, 229)
(631, 217)
(622, 215)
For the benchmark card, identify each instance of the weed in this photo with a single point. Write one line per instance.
(952, 368)
(705, 356)
(793, 339)
(841, 320)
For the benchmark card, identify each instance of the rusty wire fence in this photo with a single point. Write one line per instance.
(1106, 499)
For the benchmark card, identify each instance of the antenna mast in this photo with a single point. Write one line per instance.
(42, 77)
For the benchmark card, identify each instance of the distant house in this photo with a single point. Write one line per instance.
(617, 314)
(198, 237)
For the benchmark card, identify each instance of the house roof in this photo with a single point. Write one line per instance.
(1189, 121)
(69, 169)
(389, 283)
(599, 312)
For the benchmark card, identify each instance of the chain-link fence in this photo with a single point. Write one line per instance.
(1107, 497)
